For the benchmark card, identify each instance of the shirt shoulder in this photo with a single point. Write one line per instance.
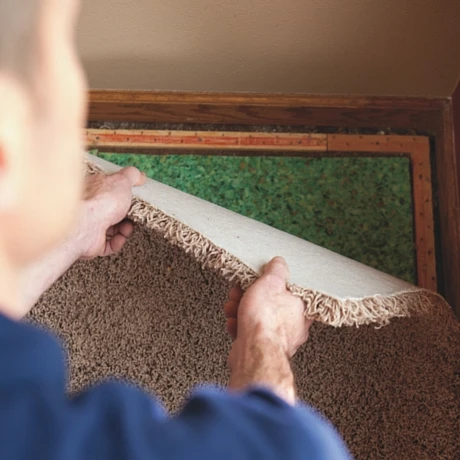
(29, 355)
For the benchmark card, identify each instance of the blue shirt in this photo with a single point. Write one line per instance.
(117, 421)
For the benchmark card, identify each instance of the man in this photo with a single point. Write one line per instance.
(45, 228)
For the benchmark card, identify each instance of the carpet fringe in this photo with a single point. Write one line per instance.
(378, 309)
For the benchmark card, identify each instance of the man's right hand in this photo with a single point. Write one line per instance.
(268, 325)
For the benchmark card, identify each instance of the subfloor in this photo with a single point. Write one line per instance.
(154, 316)
(358, 207)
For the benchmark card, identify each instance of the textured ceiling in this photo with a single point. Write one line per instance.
(387, 47)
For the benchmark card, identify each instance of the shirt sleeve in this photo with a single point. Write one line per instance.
(116, 421)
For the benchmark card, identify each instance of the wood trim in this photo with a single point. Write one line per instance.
(263, 109)
(456, 127)
(266, 99)
(129, 140)
(416, 147)
(449, 207)
(426, 116)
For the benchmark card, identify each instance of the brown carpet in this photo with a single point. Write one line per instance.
(153, 316)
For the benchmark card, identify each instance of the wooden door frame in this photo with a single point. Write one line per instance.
(427, 118)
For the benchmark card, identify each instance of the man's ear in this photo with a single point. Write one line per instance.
(15, 141)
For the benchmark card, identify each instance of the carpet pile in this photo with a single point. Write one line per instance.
(153, 315)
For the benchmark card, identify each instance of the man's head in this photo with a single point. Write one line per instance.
(42, 112)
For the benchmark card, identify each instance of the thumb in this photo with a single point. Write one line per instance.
(133, 175)
(277, 267)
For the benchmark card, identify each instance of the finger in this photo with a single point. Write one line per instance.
(232, 327)
(125, 227)
(235, 294)
(231, 309)
(277, 267)
(115, 244)
(133, 175)
(112, 231)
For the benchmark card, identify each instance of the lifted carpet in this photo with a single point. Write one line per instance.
(154, 316)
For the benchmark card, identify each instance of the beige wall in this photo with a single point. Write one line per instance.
(375, 47)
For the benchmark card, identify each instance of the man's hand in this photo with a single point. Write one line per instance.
(104, 229)
(268, 304)
(268, 325)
